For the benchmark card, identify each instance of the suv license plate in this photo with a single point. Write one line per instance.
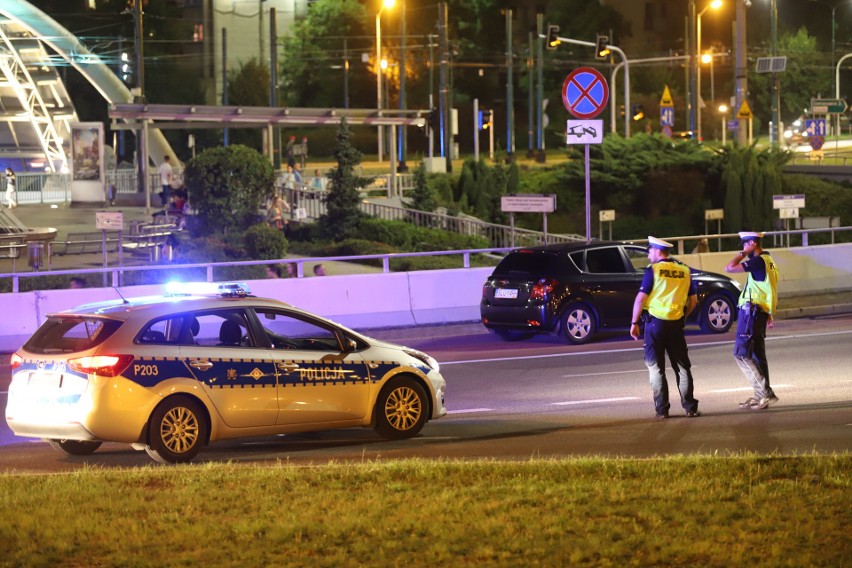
(509, 293)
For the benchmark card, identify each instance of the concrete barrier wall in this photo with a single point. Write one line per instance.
(364, 301)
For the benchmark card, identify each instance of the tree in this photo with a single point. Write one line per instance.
(227, 186)
(423, 196)
(342, 213)
(314, 54)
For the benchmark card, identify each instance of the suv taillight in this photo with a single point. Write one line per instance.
(104, 365)
(542, 288)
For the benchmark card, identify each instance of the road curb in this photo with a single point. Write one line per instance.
(811, 311)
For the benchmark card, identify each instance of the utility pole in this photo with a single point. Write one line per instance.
(403, 133)
(510, 103)
(540, 157)
(443, 88)
(142, 134)
(740, 69)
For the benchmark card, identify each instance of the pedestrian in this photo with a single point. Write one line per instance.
(10, 189)
(297, 176)
(273, 271)
(291, 157)
(165, 171)
(756, 304)
(319, 270)
(292, 272)
(669, 295)
(77, 282)
(319, 182)
(275, 213)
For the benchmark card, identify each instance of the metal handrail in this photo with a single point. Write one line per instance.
(117, 271)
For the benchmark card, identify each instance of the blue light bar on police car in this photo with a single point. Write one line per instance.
(223, 289)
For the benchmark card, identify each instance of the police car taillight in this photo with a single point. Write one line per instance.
(541, 289)
(15, 361)
(103, 365)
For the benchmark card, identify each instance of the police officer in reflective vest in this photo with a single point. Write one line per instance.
(668, 294)
(756, 307)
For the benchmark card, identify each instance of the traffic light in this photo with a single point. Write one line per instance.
(485, 118)
(552, 37)
(432, 119)
(638, 112)
(601, 50)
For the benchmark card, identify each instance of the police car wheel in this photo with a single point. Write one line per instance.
(75, 447)
(578, 323)
(717, 314)
(401, 409)
(176, 431)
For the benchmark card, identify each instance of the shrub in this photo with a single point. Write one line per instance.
(263, 242)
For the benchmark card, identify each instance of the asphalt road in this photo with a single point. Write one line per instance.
(545, 399)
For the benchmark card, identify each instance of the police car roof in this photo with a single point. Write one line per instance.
(162, 304)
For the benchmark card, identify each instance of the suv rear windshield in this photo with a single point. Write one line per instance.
(535, 263)
(70, 334)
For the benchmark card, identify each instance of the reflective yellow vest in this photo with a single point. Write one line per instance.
(667, 300)
(762, 294)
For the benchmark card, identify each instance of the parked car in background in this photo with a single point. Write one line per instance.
(169, 374)
(580, 289)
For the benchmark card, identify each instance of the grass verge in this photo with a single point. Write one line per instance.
(699, 511)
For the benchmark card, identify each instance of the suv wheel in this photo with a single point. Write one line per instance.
(578, 323)
(512, 335)
(717, 314)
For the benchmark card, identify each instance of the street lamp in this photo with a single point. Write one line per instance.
(723, 112)
(833, 24)
(379, 105)
(715, 4)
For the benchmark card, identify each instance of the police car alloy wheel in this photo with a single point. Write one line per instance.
(401, 409)
(177, 430)
(74, 447)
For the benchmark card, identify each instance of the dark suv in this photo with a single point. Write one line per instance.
(578, 289)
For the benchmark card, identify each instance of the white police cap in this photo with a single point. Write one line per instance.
(750, 235)
(659, 243)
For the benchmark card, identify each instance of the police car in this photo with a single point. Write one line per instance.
(171, 373)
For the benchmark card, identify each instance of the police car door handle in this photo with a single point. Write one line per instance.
(288, 367)
(201, 364)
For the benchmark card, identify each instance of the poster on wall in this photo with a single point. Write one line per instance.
(87, 151)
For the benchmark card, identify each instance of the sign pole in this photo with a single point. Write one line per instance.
(588, 200)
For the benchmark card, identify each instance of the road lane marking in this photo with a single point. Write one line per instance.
(595, 400)
(468, 410)
(748, 389)
(605, 373)
(627, 350)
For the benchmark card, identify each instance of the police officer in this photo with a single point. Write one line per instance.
(756, 307)
(668, 294)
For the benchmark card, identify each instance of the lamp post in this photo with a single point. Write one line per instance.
(715, 4)
(723, 112)
(776, 98)
(379, 103)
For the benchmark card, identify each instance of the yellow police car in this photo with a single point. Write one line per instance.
(171, 373)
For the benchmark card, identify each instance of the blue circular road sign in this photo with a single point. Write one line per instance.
(585, 93)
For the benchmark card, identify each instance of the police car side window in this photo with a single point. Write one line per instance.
(220, 329)
(286, 331)
(164, 331)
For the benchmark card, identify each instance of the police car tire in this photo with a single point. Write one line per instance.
(75, 447)
(183, 413)
(714, 307)
(578, 323)
(401, 409)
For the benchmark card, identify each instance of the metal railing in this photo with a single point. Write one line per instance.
(115, 274)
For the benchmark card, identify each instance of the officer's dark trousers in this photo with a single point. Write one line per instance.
(664, 337)
(750, 349)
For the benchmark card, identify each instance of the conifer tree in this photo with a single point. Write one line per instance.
(342, 212)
